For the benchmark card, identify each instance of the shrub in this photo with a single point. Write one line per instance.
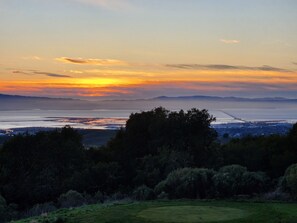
(235, 180)
(187, 183)
(6, 212)
(143, 193)
(117, 196)
(290, 179)
(223, 183)
(254, 182)
(160, 187)
(3, 208)
(88, 199)
(162, 196)
(228, 180)
(235, 171)
(71, 199)
(99, 197)
(39, 209)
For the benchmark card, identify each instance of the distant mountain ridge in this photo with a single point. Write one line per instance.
(193, 97)
(7, 96)
(203, 97)
(18, 102)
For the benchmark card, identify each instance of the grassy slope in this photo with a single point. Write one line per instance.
(141, 212)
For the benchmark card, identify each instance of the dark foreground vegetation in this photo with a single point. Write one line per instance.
(159, 155)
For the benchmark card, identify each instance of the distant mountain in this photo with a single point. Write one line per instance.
(217, 98)
(18, 102)
(17, 97)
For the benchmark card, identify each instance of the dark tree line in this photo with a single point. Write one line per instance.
(271, 154)
(36, 168)
(159, 154)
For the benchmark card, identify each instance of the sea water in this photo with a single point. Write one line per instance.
(114, 119)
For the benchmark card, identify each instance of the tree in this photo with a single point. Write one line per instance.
(270, 154)
(150, 170)
(146, 133)
(291, 179)
(34, 168)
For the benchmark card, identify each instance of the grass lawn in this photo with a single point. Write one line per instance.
(177, 212)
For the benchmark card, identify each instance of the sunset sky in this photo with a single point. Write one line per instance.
(147, 48)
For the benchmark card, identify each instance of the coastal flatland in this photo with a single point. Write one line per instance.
(175, 212)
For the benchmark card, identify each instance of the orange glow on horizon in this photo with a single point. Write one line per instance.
(131, 78)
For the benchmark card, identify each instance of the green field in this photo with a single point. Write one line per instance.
(177, 212)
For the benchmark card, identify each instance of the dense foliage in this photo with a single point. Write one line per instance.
(37, 168)
(187, 183)
(160, 154)
(205, 183)
(290, 179)
(143, 147)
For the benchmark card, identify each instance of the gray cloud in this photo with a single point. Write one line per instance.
(225, 67)
(20, 72)
(34, 72)
(97, 62)
(294, 63)
(52, 74)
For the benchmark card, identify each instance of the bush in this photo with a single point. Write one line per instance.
(3, 209)
(71, 199)
(187, 183)
(228, 180)
(235, 171)
(236, 180)
(162, 196)
(160, 187)
(99, 197)
(39, 209)
(6, 212)
(224, 184)
(143, 193)
(290, 179)
(118, 196)
(254, 182)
